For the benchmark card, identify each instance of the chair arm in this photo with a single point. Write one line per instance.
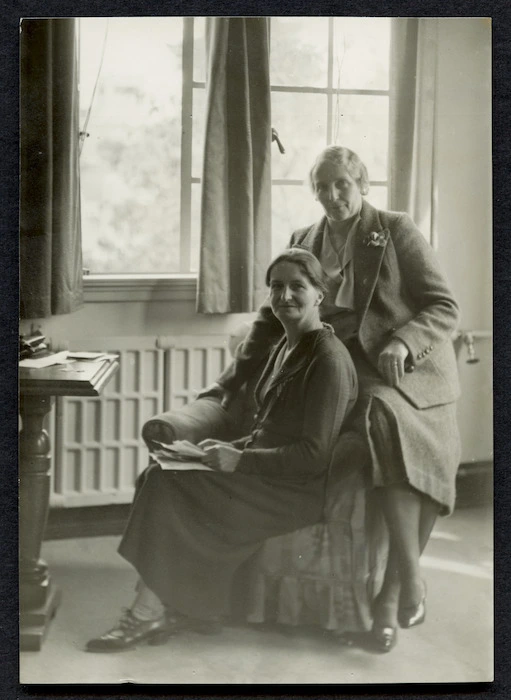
(201, 419)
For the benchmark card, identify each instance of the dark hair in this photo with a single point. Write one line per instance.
(349, 159)
(308, 264)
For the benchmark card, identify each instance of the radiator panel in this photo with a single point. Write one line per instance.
(98, 449)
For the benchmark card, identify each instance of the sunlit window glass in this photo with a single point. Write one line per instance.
(130, 163)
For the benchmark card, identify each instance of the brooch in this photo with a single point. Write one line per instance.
(375, 240)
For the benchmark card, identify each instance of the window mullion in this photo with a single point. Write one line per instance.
(186, 147)
(330, 80)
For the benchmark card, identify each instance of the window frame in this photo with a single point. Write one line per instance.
(182, 285)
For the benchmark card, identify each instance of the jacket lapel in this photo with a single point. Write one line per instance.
(367, 258)
(293, 364)
(313, 239)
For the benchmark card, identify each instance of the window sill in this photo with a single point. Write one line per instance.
(123, 288)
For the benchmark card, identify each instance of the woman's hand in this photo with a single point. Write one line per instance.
(209, 442)
(391, 362)
(222, 456)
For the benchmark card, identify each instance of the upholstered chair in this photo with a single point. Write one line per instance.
(323, 575)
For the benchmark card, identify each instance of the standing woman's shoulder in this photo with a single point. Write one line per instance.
(399, 223)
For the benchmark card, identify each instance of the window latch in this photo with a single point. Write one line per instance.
(275, 137)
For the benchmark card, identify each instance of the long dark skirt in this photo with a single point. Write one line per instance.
(189, 531)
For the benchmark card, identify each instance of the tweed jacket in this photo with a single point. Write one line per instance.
(301, 410)
(399, 293)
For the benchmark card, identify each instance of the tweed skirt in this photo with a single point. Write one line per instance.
(418, 446)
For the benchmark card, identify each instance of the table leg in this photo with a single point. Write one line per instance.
(39, 598)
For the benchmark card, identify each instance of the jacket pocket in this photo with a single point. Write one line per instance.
(434, 382)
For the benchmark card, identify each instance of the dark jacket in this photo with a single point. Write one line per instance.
(399, 293)
(301, 413)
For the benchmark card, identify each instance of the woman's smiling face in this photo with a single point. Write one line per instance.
(336, 191)
(293, 298)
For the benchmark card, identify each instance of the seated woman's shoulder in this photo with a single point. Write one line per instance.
(332, 349)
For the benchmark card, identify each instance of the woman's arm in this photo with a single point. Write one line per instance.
(329, 391)
(438, 312)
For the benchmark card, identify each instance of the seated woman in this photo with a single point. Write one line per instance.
(390, 305)
(189, 531)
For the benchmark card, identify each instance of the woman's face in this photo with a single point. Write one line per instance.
(336, 191)
(293, 298)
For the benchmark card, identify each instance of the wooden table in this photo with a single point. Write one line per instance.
(39, 596)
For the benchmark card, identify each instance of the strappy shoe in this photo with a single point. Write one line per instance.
(413, 615)
(383, 635)
(129, 632)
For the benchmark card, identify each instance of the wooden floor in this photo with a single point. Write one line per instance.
(454, 645)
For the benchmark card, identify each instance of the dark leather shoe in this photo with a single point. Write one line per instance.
(413, 615)
(383, 638)
(129, 632)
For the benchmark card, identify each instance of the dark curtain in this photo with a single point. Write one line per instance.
(236, 189)
(50, 234)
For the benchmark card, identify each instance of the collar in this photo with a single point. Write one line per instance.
(297, 358)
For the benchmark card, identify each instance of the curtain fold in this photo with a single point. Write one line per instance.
(413, 121)
(50, 229)
(236, 182)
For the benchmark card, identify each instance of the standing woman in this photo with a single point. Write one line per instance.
(389, 303)
(189, 531)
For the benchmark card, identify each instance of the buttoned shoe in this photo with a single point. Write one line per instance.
(129, 632)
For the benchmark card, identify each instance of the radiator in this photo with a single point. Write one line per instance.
(98, 452)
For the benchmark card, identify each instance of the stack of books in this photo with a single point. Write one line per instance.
(32, 346)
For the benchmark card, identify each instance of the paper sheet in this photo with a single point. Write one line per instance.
(174, 464)
(58, 358)
(83, 355)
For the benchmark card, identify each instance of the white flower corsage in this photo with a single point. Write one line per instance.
(375, 240)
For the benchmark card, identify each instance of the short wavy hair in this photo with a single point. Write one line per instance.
(308, 264)
(340, 155)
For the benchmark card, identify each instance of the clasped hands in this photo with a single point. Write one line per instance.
(220, 455)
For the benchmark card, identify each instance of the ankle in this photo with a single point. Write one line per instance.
(412, 592)
(385, 611)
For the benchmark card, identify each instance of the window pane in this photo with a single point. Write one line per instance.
(198, 127)
(378, 197)
(361, 122)
(301, 124)
(361, 53)
(199, 49)
(130, 164)
(299, 51)
(293, 207)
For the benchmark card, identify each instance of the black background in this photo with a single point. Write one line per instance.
(11, 12)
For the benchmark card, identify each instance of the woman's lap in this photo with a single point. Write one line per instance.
(408, 445)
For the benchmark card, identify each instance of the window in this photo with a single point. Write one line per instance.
(141, 162)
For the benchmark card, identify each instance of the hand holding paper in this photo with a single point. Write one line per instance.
(222, 456)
